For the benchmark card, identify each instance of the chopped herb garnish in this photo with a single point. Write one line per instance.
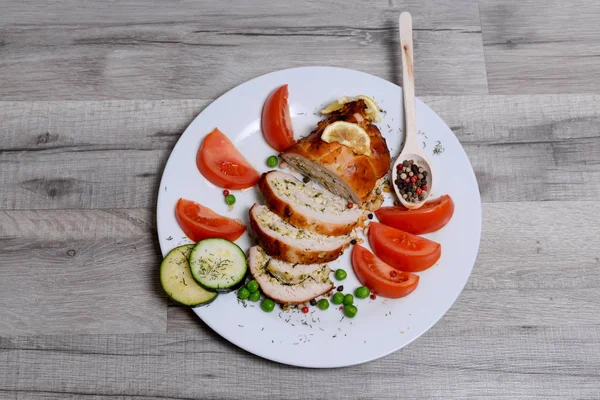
(438, 149)
(183, 280)
(170, 238)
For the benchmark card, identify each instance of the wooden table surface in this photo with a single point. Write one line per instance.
(94, 94)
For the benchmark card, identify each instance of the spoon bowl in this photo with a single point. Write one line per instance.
(411, 149)
(397, 171)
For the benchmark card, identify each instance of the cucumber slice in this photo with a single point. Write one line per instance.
(218, 264)
(177, 281)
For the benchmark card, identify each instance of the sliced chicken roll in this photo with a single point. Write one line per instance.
(292, 274)
(313, 286)
(290, 244)
(308, 206)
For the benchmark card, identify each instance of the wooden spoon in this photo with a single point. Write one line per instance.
(411, 149)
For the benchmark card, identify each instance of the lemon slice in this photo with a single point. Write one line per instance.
(372, 112)
(348, 134)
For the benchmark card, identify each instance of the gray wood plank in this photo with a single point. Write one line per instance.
(501, 363)
(80, 272)
(159, 50)
(528, 147)
(442, 14)
(534, 46)
(87, 154)
(110, 154)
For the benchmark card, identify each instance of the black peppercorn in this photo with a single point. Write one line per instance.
(353, 241)
(306, 179)
(340, 288)
(417, 181)
(370, 216)
(313, 302)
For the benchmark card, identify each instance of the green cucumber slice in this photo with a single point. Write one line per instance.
(177, 281)
(218, 264)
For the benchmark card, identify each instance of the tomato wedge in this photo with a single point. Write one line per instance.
(380, 277)
(402, 250)
(432, 216)
(276, 121)
(199, 222)
(222, 164)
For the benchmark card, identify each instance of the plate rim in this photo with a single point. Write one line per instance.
(420, 103)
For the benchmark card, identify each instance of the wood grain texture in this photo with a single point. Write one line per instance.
(527, 330)
(78, 185)
(159, 50)
(80, 272)
(110, 154)
(535, 46)
(501, 363)
(87, 154)
(528, 147)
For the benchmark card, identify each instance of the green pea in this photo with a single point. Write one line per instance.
(243, 293)
(340, 274)
(337, 298)
(350, 311)
(252, 286)
(323, 304)
(267, 305)
(348, 299)
(272, 161)
(362, 292)
(230, 199)
(254, 296)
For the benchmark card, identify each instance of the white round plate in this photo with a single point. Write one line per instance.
(323, 339)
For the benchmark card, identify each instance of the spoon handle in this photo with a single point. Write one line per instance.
(408, 84)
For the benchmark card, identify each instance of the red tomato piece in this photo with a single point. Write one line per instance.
(276, 122)
(222, 164)
(382, 279)
(432, 216)
(402, 250)
(199, 222)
